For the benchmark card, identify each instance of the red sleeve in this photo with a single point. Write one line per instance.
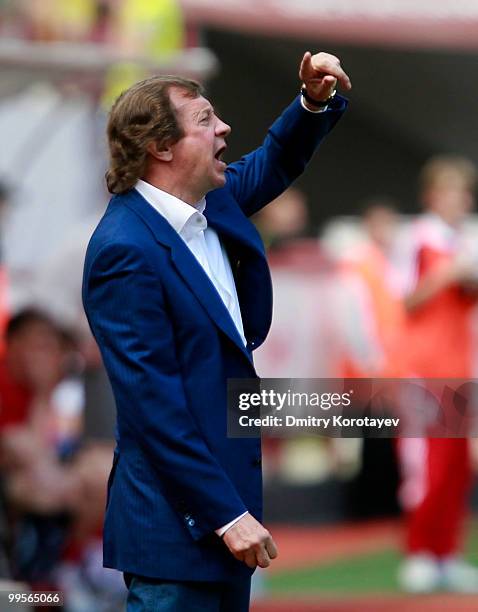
(428, 259)
(15, 401)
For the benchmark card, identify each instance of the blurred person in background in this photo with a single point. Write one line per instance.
(371, 319)
(30, 370)
(370, 272)
(177, 301)
(285, 222)
(438, 342)
(52, 487)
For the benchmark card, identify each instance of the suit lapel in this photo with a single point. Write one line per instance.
(253, 280)
(187, 266)
(231, 222)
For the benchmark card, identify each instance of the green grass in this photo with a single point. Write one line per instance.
(370, 573)
(363, 574)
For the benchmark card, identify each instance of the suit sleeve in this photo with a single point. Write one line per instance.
(125, 306)
(259, 177)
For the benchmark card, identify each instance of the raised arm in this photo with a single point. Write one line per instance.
(259, 177)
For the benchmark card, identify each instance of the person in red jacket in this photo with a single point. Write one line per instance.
(438, 339)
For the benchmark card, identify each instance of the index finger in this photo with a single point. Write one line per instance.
(327, 66)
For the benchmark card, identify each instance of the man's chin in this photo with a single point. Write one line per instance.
(219, 180)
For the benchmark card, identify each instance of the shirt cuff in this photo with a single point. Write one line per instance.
(320, 110)
(222, 530)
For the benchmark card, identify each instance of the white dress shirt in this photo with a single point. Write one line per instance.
(203, 242)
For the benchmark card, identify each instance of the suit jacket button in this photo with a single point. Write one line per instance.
(257, 462)
(187, 517)
(191, 522)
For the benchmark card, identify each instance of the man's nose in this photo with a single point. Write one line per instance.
(222, 128)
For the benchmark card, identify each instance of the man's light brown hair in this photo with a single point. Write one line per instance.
(142, 114)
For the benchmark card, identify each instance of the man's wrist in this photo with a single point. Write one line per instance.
(311, 109)
(313, 105)
(222, 530)
(314, 101)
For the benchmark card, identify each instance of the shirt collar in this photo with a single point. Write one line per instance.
(180, 215)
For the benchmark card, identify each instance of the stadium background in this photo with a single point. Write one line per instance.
(412, 67)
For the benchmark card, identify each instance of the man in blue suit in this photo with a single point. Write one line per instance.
(178, 294)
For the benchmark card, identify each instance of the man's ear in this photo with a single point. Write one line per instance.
(165, 153)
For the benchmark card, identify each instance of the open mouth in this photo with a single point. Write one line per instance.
(219, 153)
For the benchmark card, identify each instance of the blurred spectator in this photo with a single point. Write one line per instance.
(31, 429)
(370, 274)
(438, 343)
(53, 486)
(284, 220)
(370, 334)
(31, 368)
